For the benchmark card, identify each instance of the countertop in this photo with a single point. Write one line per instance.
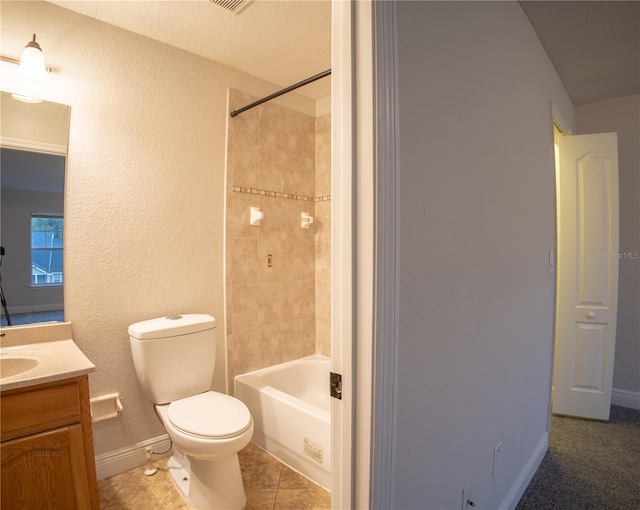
(56, 359)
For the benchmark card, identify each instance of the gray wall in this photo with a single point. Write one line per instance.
(622, 115)
(477, 201)
(17, 206)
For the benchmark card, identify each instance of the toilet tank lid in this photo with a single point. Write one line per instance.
(173, 325)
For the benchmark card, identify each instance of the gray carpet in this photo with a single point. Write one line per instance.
(590, 465)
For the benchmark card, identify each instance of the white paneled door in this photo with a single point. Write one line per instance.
(587, 284)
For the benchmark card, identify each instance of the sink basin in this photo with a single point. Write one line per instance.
(14, 366)
(41, 362)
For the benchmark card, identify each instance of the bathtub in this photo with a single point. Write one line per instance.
(291, 410)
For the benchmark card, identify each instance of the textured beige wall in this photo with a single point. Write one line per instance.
(272, 158)
(144, 193)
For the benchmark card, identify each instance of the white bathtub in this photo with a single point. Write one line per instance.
(291, 410)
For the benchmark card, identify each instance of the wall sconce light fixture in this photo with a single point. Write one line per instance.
(31, 63)
(32, 70)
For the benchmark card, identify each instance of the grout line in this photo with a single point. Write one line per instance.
(275, 500)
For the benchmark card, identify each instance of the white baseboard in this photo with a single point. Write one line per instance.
(35, 308)
(625, 398)
(526, 474)
(130, 457)
(118, 461)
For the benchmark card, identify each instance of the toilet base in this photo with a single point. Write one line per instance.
(208, 484)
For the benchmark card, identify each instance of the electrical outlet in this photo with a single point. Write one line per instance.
(497, 452)
(467, 502)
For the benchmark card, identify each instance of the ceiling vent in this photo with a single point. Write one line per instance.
(234, 6)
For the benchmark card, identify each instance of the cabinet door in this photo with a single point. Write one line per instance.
(45, 471)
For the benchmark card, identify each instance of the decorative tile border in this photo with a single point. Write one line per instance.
(278, 194)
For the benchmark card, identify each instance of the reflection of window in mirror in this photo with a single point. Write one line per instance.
(33, 146)
(46, 249)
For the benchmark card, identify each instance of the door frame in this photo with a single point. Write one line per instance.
(352, 243)
(557, 119)
(342, 310)
(386, 307)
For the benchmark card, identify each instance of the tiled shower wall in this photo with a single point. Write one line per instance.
(323, 235)
(277, 160)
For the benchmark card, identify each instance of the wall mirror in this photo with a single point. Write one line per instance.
(33, 152)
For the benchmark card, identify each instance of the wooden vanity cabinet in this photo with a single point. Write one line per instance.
(47, 447)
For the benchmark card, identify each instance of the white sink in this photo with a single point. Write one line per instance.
(14, 366)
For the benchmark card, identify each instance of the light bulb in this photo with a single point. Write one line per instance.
(32, 61)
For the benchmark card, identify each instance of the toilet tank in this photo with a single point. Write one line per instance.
(174, 356)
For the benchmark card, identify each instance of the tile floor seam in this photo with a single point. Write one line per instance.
(275, 500)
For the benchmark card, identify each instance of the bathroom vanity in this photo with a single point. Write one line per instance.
(47, 442)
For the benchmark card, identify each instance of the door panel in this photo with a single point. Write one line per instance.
(590, 349)
(587, 278)
(593, 224)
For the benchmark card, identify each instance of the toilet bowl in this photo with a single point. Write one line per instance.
(174, 358)
(209, 442)
(210, 425)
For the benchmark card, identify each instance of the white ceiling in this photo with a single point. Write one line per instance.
(282, 42)
(594, 45)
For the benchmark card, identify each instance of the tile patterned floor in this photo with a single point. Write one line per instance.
(269, 485)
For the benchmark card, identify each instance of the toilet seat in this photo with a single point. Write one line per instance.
(210, 415)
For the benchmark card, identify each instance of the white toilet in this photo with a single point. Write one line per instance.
(174, 359)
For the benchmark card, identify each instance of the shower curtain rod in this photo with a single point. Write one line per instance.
(280, 92)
